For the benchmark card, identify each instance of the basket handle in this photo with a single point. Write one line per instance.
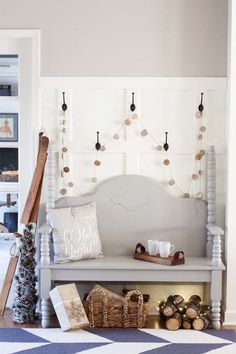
(140, 308)
(91, 309)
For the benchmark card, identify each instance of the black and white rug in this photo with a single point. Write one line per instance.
(116, 341)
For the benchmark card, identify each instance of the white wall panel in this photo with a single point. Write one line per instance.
(163, 104)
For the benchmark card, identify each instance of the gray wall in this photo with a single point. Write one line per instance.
(125, 37)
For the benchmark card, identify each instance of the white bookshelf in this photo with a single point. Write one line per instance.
(9, 99)
(9, 104)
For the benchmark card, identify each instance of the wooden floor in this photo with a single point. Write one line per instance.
(6, 322)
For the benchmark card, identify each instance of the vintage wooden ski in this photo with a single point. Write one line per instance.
(30, 214)
(7, 283)
(36, 182)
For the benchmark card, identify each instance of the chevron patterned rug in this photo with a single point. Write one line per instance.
(116, 341)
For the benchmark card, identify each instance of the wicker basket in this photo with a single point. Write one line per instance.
(114, 313)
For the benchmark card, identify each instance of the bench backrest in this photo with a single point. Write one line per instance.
(132, 209)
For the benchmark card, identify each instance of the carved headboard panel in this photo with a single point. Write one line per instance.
(132, 209)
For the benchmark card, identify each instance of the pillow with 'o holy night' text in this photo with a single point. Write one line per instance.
(75, 233)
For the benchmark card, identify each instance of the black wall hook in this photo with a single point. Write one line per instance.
(64, 105)
(166, 145)
(132, 106)
(201, 107)
(97, 145)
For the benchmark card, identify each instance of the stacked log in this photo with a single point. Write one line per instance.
(176, 313)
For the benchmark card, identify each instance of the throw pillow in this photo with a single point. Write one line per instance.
(75, 233)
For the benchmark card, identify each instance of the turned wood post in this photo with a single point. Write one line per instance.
(51, 177)
(211, 196)
(45, 230)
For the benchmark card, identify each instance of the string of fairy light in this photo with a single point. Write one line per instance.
(161, 147)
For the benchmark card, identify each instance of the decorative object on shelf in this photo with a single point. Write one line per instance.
(192, 314)
(8, 165)
(104, 309)
(9, 127)
(195, 183)
(25, 302)
(68, 307)
(141, 254)
(5, 90)
(166, 145)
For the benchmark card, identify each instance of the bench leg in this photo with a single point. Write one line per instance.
(216, 293)
(45, 287)
(45, 306)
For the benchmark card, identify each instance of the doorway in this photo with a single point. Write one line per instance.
(19, 125)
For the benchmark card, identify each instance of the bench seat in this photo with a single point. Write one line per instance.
(129, 263)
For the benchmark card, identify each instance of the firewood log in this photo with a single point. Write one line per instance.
(200, 323)
(194, 299)
(174, 322)
(192, 308)
(179, 300)
(179, 303)
(168, 307)
(186, 323)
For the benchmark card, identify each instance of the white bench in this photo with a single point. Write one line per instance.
(132, 209)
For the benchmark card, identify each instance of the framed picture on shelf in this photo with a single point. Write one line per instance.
(8, 165)
(8, 127)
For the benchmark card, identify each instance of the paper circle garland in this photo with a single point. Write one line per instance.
(166, 162)
(127, 121)
(198, 114)
(202, 152)
(186, 195)
(199, 195)
(134, 116)
(66, 169)
(116, 136)
(198, 157)
(144, 132)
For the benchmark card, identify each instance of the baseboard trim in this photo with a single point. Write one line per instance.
(230, 318)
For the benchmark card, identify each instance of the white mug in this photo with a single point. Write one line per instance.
(153, 247)
(165, 248)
